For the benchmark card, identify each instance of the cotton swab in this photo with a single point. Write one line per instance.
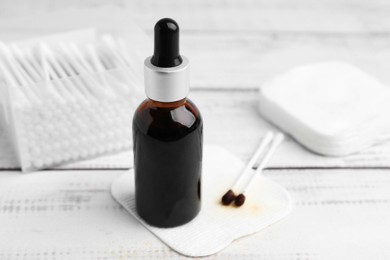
(71, 87)
(71, 71)
(117, 59)
(77, 62)
(17, 75)
(87, 69)
(22, 58)
(96, 65)
(57, 87)
(230, 195)
(240, 199)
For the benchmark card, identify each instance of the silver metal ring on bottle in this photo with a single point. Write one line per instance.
(167, 84)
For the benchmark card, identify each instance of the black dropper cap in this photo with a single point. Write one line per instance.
(166, 44)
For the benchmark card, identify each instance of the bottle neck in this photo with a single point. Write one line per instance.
(168, 104)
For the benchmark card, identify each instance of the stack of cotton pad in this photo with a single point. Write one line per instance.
(331, 108)
(64, 102)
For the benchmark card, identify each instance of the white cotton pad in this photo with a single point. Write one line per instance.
(332, 108)
(216, 226)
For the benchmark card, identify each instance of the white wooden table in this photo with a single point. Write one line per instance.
(342, 205)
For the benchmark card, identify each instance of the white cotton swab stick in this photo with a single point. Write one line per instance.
(30, 57)
(9, 78)
(72, 72)
(25, 76)
(51, 83)
(107, 63)
(136, 70)
(118, 60)
(66, 88)
(5, 99)
(114, 83)
(25, 63)
(88, 70)
(17, 76)
(44, 64)
(229, 196)
(131, 60)
(80, 57)
(240, 199)
(90, 84)
(109, 42)
(97, 66)
(61, 74)
(27, 70)
(120, 86)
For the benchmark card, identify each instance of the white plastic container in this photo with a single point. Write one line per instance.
(72, 117)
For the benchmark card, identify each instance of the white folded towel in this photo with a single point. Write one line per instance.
(332, 108)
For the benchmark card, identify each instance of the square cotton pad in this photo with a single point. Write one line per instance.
(332, 108)
(216, 226)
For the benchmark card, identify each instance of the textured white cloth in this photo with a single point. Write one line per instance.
(216, 226)
(332, 108)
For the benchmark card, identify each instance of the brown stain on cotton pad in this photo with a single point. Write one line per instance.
(252, 207)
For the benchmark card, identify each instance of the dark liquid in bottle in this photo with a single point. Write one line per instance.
(167, 162)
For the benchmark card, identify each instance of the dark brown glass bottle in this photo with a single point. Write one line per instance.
(167, 137)
(168, 161)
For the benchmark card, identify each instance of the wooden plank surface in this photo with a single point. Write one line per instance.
(341, 16)
(339, 214)
(234, 46)
(225, 58)
(345, 16)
